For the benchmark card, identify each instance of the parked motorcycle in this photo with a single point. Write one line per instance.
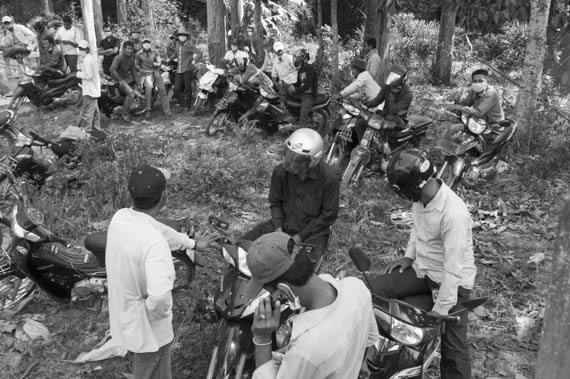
(409, 336)
(51, 94)
(36, 257)
(210, 86)
(381, 136)
(471, 149)
(232, 356)
(111, 100)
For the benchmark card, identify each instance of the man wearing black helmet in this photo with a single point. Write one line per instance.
(439, 258)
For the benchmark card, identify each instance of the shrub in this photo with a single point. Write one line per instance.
(506, 49)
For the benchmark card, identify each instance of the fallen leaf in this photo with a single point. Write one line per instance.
(536, 258)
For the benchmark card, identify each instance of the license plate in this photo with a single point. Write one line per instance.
(368, 135)
(202, 95)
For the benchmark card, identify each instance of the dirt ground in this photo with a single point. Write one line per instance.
(228, 176)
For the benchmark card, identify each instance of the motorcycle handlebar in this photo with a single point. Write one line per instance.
(38, 138)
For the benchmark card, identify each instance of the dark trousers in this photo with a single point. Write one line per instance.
(106, 69)
(319, 242)
(183, 82)
(455, 359)
(307, 101)
(155, 365)
(71, 61)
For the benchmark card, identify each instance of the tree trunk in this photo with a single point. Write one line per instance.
(334, 50)
(554, 354)
(442, 69)
(258, 34)
(321, 50)
(48, 6)
(122, 18)
(216, 30)
(533, 65)
(385, 9)
(236, 17)
(98, 13)
(371, 25)
(89, 25)
(149, 18)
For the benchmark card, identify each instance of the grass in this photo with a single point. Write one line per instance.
(228, 176)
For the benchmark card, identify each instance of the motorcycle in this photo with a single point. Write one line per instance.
(53, 94)
(111, 100)
(36, 257)
(409, 335)
(232, 356)
(471, 149)
(210, 86)
(381, 135)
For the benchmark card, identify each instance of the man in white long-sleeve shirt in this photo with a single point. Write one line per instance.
(329, 337)
(141, 274)
(439, 259)
(363, 84)
(88, 72)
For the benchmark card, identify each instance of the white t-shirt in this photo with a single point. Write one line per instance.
(89, 73)
(71, 34)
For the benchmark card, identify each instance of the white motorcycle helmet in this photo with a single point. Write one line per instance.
(304, 148)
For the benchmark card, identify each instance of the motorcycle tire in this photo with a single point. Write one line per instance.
(216, 123)
(335, 155)
(198, 104)
(238, 373)
(74, 95)
(320, 120)
(184, 270)
(353, 171)
(14, 288)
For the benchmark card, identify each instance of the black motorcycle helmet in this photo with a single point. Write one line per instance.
(408, 172)
(300, 57)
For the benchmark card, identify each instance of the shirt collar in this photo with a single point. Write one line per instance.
(438, 200)
(307, 320)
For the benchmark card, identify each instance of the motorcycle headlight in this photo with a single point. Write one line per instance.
(22, 222)
(351, 109)
(405, 333)
(375, 122)
(475, 126)
(242, 264)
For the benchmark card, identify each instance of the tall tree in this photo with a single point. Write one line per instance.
(442, 69)
(122, 18)
(98, 13)
(216, 30)
(48, 6)
(371, 25)
(258, 33)
(89, 24)
(321, 50)
(385, 10)
(533, 64)
(236, 16)
(334, 52)
(149, 17)
(554, 354)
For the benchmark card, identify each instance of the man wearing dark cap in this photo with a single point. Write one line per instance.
(330, 336)
(482, 100)
(141, 274)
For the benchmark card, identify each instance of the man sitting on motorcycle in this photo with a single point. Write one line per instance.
(235, 53)
(439, 259)
(364, 85)
(304, 194)
(122, 72)
(482, 100)
(329, 337)
(147, 62)
(283, 73)
(52, 63)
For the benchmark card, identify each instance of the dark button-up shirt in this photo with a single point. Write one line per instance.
(307, 80)
(123, 68)
(395, 103)
(486, 105)
(106, 44)
(53, 57)
(307, 207)
(185, 53)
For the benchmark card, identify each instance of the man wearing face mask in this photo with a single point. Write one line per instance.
(329, 337)
(19, 42)
(304, 194)
(147, 62)
(439, 260)
(482, 100)
(188, 55)
(108, 47)
(91, 85)
(123, 72)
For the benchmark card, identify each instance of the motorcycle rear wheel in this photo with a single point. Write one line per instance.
(14, 288)
(353, 171)
(216, 123)
(184, 270)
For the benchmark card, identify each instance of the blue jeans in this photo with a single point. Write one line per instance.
(455, 359)
(155, 365)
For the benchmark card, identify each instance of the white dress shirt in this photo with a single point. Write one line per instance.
(89, 75)
(284, 69)
(328, 343)
(363, 84)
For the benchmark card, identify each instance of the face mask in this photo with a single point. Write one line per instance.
(107, 34)
(146, 46)
(292, 300)
(479, 87)
(182, 38)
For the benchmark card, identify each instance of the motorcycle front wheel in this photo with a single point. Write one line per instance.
(320, 121)
(216, 123)
(335, 155)
(14, 288)
(238, 374)
(353, 170)
(184, 270)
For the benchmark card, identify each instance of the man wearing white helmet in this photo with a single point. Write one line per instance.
(283, 72)
(304, 194)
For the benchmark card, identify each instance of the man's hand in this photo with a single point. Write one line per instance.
(455, 107)
(204, 240)
(265, 320)
(291, 90)
(298, 240)
(403, 264)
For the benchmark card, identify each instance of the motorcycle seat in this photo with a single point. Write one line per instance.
(295, 100)
(509, 127)
(57, 82)
(96, 243)
(416, 121)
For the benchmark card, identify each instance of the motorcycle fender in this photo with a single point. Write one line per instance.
(234, 339)
(458, 166)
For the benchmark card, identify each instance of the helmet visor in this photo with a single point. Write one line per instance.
(295, 163)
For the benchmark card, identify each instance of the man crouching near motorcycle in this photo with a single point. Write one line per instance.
(304, 194)
(141, 274)
(329, 337)
(439, 259)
